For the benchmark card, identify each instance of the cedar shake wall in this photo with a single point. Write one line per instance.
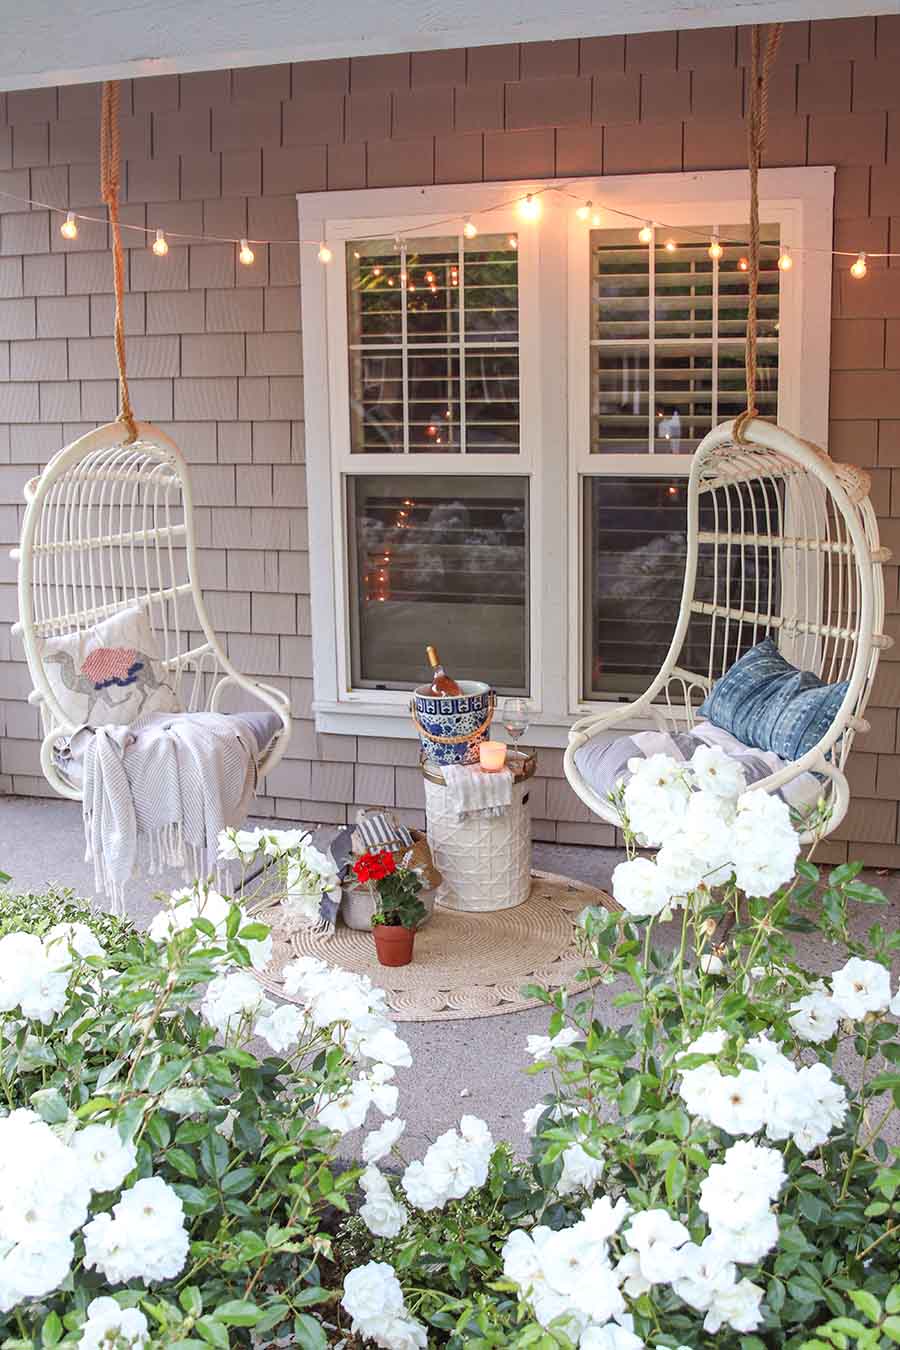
(214, 348)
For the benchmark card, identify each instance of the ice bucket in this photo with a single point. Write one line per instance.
(451, 728)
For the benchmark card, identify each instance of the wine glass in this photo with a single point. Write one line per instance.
(515, 714)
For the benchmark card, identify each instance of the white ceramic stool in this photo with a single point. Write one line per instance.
(485, 861)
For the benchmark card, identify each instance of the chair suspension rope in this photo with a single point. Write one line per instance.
(757, 121)
(110, 173)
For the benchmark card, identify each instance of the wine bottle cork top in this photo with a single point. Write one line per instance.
(432, 655)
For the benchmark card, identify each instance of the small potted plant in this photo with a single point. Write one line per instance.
(398, 909)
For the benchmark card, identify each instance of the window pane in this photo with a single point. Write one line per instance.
(635, 545)
(439, 559)
(433, 328)
(667, 331)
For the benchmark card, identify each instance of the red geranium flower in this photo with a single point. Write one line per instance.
(374, 866)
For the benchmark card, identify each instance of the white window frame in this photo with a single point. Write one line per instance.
(554, 379)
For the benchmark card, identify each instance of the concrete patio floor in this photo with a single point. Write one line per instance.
(474, 1065)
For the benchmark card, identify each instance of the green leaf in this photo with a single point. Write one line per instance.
(891, 1327)
(214, 1332)
(254, 932)
(309, 1333)
(191, 1300)
(892, 1302)
(50, 1105)
(631, 1095)
(238, 1312)
(182, 1162)
(676, 1176)
(238, 1181)
(867, 1303)
(52, 1330)
(214, 1154)
(306, 1297)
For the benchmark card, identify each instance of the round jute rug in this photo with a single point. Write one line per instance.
(465, 965)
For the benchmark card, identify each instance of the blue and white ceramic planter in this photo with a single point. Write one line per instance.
(467, 716)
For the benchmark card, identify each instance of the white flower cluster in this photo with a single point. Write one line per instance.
(374, 1300)
(202, 902)
(707, 829)
(243, 845)
(46, 1184)
(110, 1325)
(381, 1213)
(859, 989)
(34, 972)
(456, 1163)
(143, 1239)
(801, 1104)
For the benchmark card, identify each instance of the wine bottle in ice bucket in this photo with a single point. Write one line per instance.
(441, 684)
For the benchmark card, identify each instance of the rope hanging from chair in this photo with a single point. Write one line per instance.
(110, 172)
(757, 124)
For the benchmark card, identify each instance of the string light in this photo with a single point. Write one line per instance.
(715, 249)
(325, 254)
(530, 207)
(160, 245)
(595, 221)
(785, 261)
(670, 246)
(645, 233)
(743, 264)
(584, 212)
(513, 241)
(470, 229)
(376, 271)
(69, 229)
(246, 253)
(859, 268)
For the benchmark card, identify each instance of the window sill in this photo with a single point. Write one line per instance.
(390, 722)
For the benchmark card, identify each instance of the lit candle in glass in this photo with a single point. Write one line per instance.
(492, 756)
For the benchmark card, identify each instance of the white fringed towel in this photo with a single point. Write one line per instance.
(156, 795)
(476, 793)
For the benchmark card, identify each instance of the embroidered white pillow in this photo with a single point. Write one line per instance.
(111, 674)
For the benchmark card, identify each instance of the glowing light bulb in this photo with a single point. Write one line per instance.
(645, 233)
(429, 277)
(376, 271)
(743, 264)
(859, 268)
(785, 261)
(513, 241)
(530, 208)
(160, 244)
(470, 229)
(325, 254)
(715, 249)
(670, 246)
(595, 221)
(69, 228)
(584, 212)
(246, 253)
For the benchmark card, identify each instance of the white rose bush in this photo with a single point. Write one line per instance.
(712, 1160)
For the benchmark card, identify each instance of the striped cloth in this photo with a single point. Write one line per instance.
(377, 830)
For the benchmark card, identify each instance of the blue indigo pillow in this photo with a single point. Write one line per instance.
(771, 705)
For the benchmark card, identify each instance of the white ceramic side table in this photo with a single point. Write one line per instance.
(485, 861)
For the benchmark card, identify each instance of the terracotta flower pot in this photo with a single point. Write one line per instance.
(393, 944)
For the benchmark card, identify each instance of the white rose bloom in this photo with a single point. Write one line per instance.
(581, 1171)
(680, 869)
(384, 1093)
(108, 1324)
(280, 842)
(232, 1002)
(628, 1274)
(738, 1306)
(379, 1143)
(522, 1255)
(610, 1337)
(346, 1110)
(718, 773)
(45, 1193)
(381, 1213)
(765, 844)
(816, 1017)
(542, 1047)
(396, 1332)
(656, 1237)
(281, 1028)
(569, 1262)
(707, 835)
(387, 1047)
(895, 1004)
(861, 987)
(640, 887)
(707, 1043)
(698, 1088)
(738, 1103)
(705, 1271)
(656, 797)
(371, 1291)
(603, 1218)
(19, 953)
(143, 1239)
(747, 1237)
(420, 1188)
(759, 1168)
(203, 902)
(711, 964)
(106, 1158)
(31, 1272)
(763, 1051)
(64, 938)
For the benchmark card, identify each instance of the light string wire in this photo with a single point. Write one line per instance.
(687, 235)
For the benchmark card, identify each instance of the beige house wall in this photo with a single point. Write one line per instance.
(214, 348)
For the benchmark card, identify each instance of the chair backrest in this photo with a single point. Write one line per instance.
(107, 526)
(782, 542)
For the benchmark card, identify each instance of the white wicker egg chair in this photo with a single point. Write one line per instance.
(109, 525)
(781, 542)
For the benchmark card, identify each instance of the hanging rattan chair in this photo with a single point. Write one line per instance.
(108, 526)
(781, 543)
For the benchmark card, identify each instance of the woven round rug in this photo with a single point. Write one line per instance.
(465, 964)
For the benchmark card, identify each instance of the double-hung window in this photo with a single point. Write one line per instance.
(500, 422)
